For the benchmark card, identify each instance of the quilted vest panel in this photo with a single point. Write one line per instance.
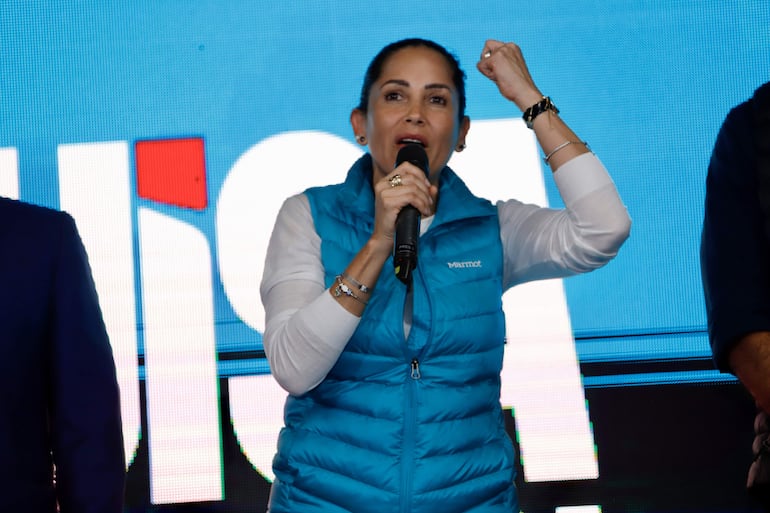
(407, 424)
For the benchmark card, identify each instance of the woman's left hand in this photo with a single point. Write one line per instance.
(503, 64)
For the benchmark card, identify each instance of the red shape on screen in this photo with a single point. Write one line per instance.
(172, 171)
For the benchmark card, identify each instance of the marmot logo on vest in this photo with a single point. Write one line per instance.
(464, 265)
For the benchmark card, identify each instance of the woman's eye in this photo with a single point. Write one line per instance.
(392, 96)
(438, 100)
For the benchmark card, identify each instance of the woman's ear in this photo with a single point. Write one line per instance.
(358, 122)
(465, 125)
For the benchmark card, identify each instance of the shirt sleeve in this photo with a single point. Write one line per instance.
(734, 247)
(306, 330)
(541, 243)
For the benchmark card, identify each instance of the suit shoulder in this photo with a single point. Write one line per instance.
(21, 221)
(11, 209)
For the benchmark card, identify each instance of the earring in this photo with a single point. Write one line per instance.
(361, 139)
(461, 147)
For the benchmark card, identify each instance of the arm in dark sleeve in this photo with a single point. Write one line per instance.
(86, 426)
(734, 248)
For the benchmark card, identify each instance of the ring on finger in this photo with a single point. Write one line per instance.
(396, 181)
(488, 54)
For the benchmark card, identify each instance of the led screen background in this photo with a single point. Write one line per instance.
(646, 83)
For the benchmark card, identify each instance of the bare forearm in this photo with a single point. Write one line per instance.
(750, 361)
(363, 270)
(305, 330)
(503, 63)
(552, 132)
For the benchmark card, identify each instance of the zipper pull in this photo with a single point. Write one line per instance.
(415, 369)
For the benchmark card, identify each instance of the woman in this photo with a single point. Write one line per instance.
(394, 390)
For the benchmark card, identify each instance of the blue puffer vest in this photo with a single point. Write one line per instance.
(407, 425)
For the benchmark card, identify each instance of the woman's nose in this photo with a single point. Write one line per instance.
(414, 114)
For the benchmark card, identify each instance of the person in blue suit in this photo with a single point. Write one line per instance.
(735, 248)
(61, 441)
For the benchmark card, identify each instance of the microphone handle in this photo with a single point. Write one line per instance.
(405, 247)
(408, 220)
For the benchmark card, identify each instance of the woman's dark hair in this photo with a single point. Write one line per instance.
(374, 70)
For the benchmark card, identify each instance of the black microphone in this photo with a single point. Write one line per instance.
(408, 219)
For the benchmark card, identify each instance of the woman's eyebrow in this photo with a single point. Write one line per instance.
(398, 81)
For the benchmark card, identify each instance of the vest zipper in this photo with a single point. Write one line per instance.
(410, 423)
(415, 369)
(407, 458)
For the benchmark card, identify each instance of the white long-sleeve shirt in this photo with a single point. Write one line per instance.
(306, 329)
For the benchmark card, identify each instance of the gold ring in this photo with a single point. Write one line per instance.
(488, 54)
(396, 181)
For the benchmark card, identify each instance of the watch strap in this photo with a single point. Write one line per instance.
(534, 111)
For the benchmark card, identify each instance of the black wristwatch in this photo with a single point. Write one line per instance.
(543, 105)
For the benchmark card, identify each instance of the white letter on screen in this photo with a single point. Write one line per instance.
(256, 407)
(94, 188)
(249, 200)
(9, 173)
(180, 361)
(541, 374)
(578, 509)
(248, 203)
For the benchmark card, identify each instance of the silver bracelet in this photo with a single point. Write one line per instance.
(561, 146)
(363, 288)
(343, 290)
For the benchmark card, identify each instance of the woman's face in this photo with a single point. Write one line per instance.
(414, 100)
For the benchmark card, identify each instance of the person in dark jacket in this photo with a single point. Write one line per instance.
(735, 263)
(61, 441)
(393, 377)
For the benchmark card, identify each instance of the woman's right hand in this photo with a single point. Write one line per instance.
(390, 198)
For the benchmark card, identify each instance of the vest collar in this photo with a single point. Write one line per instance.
(455, 199)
